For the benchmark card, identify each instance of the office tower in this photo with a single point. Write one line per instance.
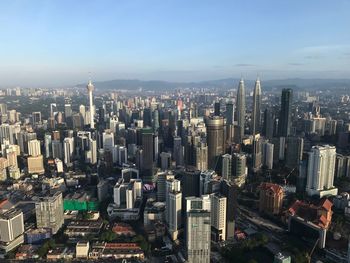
(240, 109)
(67, 111)
(285, 119)
(267, 154)
(48, 147)
(269, 123)
(229, 190)
(215, 140)
(320, 171)
(271, 198)
(36, 164)
(147, 155)
(239, 169)
(218, 216)
(57, 151)
(208, 182)
(190, 182)
(201, 156)
(36, 117)
(3, 108)
(216, 108)
(49, 212)
(198, 229)
(56, 135)
(34, 148)
(173, 207)
(90, 89)
(165, 160)
(68, 149)
(155, 120)
(162, 179)
(11, 229)
(77, 121)
(257, 153)
(256, 108)
(108, 140)
(229, 113)
(294, 151)
(147, 117)
(178, 151)
(226, 168)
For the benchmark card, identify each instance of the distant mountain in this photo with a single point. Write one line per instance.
(221, 84)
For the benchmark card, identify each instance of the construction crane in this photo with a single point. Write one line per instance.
(312, 251)
(286, 177)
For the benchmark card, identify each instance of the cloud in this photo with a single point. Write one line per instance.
(295, 64)
(245, 65)
(314, 56)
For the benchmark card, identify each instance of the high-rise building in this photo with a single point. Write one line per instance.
(173, 207)
(108, 140)
(90, 87)
(34, 147)
(229, 113)
(49, 212)
(218, 216)
(162, 178)
(256, 118)
(68, 149)
(239, 169)
(285, 119)
(271, 198)
(57, 151)
(240, 109)
(36, 164)
(198, 229)
(267, 153)
(257, 153)
(226, 171)
(48, 146)
(11, 225)
(294, 151)
(11, 229)
(215, 140)
(269, 123)
(216, 108)
(320, 171)
(147, 155)
(165, 160)
(201, 156)
(178, 151)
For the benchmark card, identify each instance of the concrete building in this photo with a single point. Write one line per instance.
(215, 140)
(36, 164)
(320, 171)
(49, 212)
(173, 207)
(218, 217)
(34, 148)
(198, 229)
(11, 229)
(271, 198)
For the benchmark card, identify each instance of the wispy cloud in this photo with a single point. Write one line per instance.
(244, 65)
(295, 64)
(316, 56)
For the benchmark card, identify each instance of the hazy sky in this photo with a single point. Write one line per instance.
(59, 42)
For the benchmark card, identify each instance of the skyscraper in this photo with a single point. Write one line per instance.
(285, 119)
(294, 151)
(241, 109)
(90, 87)
(173, 207)
(68, 149)
(198, 229)
(256, 108)
(320, 171)
(215, 140)
(147, 154)
(218, 216)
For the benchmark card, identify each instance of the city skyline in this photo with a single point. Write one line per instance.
(58, 43)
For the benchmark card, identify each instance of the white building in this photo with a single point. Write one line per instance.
(173, 207)
(198, 229)
(34, 147)
(320, 171)
(218, 216)
(68, 149)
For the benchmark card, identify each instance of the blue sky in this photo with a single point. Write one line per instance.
(58, 42)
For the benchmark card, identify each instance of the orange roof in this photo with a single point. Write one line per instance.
(274, 187)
